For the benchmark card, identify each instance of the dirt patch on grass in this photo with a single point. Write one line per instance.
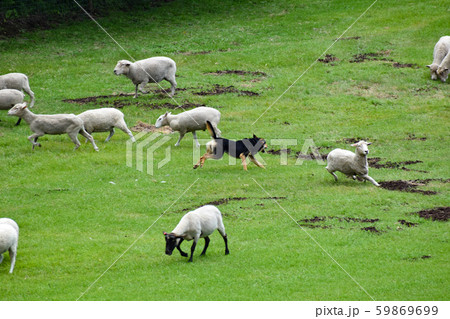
(278, 152)
(352, 140)
(329, 59)
(349, 38)
(93, 99)
(371, 229)
(435, 214)
(312, 222)
(405, 65)
(375, 163)
(413, 137)
(237, 72)
(223, 201)
(410, 186)
(219, 89)
(309, 157)
(371, 56)
(201, 52)
(406, 223)
(144, 127)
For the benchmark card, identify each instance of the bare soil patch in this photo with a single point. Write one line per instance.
(329, 59)
(201, 52)
(318, 221)
(349, 38)
(219, 89)
(375, 163)
(237, 72)
(410, 186)
(352, 140)
(371, 229)
(309, 157)
(406, 223)
(413, 137)
(144, 127)
(370, 56)
(435, 214)
(405, 65)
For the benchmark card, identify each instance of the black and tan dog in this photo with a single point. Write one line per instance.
(238, 149)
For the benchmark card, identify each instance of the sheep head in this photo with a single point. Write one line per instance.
(162, 120)
(122, 67)
(361, 148)
(17, 109)
(442, 73)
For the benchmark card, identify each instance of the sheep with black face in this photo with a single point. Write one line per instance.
(199, 223)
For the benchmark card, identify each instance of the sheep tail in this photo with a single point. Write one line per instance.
(211, 130)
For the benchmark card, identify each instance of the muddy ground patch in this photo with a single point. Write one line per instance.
(218, 89)
(314, 155)
(320, 222)
(410, 186)
(329, 59)
(226, 200)
(374, 162)
(236, 72)
(435, 214)
(144, 127)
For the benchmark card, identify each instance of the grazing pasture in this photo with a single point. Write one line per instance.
(91, 226)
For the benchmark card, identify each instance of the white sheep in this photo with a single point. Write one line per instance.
(54, 124)
(9, 98)
(351, 164)
(441, 59)
(18, 81)
(152, 70)
(199, 223)
(104, 120)
(9, 239)
(190, 121)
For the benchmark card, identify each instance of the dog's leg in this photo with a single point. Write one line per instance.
(255, 161)
(244, 163)
(200, 161)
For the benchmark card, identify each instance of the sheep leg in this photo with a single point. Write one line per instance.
(27, 89)
(136, 91)
(123, 127)
(244, 162)
(370, 179)
(33, 138)
(193, 249)
(222, 232)
(111, 133)
(73, 136)
(179, 139)
(195, 138)
(88, 136)
(12, 257)
(18, 121)
(1, 258)
(207, 240)
(173, 86)
(141, 87)
(332, 173)
(182, 253)
(255, 161)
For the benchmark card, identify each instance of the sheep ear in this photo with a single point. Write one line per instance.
(24, 106)
(356, 144)
(428, 66)
(369, 143)
(127, 64)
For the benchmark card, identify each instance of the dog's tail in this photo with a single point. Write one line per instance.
(211, 130)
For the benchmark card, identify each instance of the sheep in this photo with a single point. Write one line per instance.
(104, 120)
(199, 223)
(9, 98)
(9, 239)
(152, 70)
(190, 121)
(51, 124)
(441, 59)
(351, 164)
(18, 81)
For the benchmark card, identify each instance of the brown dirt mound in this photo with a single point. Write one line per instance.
(374, 162)
(237, 72)
(311, 156)
(437, 213)
(278, 152)
(329, 58)
(409, 186)
(219, 89)
(144, 127)
(349, 38)
(93, 99)
(371, 56)
(201, 52)
(352, 140)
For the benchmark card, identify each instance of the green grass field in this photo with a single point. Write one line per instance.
(91, 226)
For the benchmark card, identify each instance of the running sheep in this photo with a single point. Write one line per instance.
(17, 81)
(199, 223)
(9, 98)
(104, 120)
(152, 70)
(441, 59)
(54, 124)
(351, 164)
(9, 239)
(190, 121)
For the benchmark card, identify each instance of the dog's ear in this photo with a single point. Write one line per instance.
(254, 136)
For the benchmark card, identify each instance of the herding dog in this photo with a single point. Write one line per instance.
(238, 149)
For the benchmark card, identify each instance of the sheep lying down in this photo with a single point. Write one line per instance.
(199, 223)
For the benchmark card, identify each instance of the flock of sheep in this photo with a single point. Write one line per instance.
(201, 222)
